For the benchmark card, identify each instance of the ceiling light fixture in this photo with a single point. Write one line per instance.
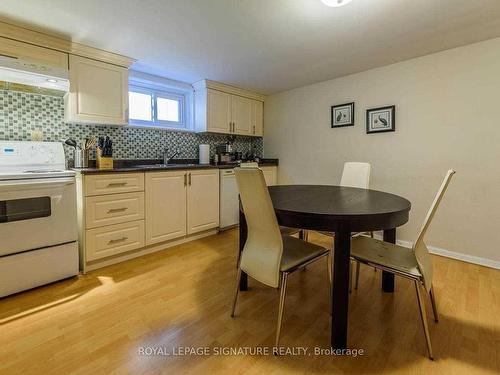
(51, 80)
(335, 3)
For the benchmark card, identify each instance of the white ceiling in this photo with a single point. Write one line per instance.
(265, 45)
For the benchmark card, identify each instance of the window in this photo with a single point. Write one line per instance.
(151, 107)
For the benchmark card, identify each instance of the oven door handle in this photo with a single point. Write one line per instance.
(8, 185)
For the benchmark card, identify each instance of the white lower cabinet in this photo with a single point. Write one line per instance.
(180, 203)
(110, 209)
(202, 200)
(124, 212)
(114, 239)
(270, 175)
(165, 206)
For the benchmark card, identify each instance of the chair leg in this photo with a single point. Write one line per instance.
(350, 276)
(424, 319)
(304, 235)
(238, 259)
(330, 273)
(284, 277)
(434, 306)
(371, 235)
(328, 263)
(357, 275)
(238, 278)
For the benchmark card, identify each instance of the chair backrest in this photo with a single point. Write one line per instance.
(421, 252)
(356, 175)
(261, 256)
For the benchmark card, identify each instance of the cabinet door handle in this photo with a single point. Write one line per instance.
(116, 184)
(110, 242)
(254, 129)
(190, 179)
(114, 210)
(230, 127)
(185, 179)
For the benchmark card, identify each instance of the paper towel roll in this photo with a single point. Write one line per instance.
(204, 154)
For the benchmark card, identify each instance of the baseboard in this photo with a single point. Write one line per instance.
(452, 254)
(464, 257)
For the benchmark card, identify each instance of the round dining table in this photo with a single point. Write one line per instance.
(342, 210)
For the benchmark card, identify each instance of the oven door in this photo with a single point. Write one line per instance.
(37, 213)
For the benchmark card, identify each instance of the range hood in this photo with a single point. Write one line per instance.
(33, 74)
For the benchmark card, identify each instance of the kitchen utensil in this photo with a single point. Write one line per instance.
(89, 143)
(107, 147)
(71, 142)
(81, 158)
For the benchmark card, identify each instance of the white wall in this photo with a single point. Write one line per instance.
(447, 116)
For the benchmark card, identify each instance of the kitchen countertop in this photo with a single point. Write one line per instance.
(146, 165)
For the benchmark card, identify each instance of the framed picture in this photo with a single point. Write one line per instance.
(343, 115)
(380, 120)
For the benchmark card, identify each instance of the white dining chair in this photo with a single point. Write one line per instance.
(268, 256)
(357, 175)
(285, 231)
(414, 264)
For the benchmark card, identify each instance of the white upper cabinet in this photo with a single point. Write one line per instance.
(226, 109)
(98, 92)
(35, 54)
(241, 115)
(219, 111)
(257, 118)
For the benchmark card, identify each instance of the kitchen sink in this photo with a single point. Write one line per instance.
(173, 165)
(183, 165)
(150, 165)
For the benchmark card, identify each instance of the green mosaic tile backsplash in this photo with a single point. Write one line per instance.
(21, 113)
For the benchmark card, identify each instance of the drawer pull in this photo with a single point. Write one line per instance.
(117, 240)
(114, 210)
(116, 184)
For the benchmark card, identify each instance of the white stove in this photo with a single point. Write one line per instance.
(25, 160)
(38, 223)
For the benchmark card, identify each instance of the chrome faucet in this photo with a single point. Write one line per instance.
(167, 158)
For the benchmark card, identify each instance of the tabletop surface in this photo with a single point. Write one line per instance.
(335, 201)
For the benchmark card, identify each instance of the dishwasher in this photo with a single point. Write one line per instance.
(229, 210)
(229, 205)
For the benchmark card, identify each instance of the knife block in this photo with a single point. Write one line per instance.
(103, 162)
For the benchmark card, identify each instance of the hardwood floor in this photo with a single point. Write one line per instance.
(100, 323)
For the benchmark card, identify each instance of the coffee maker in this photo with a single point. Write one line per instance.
(223, 152)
